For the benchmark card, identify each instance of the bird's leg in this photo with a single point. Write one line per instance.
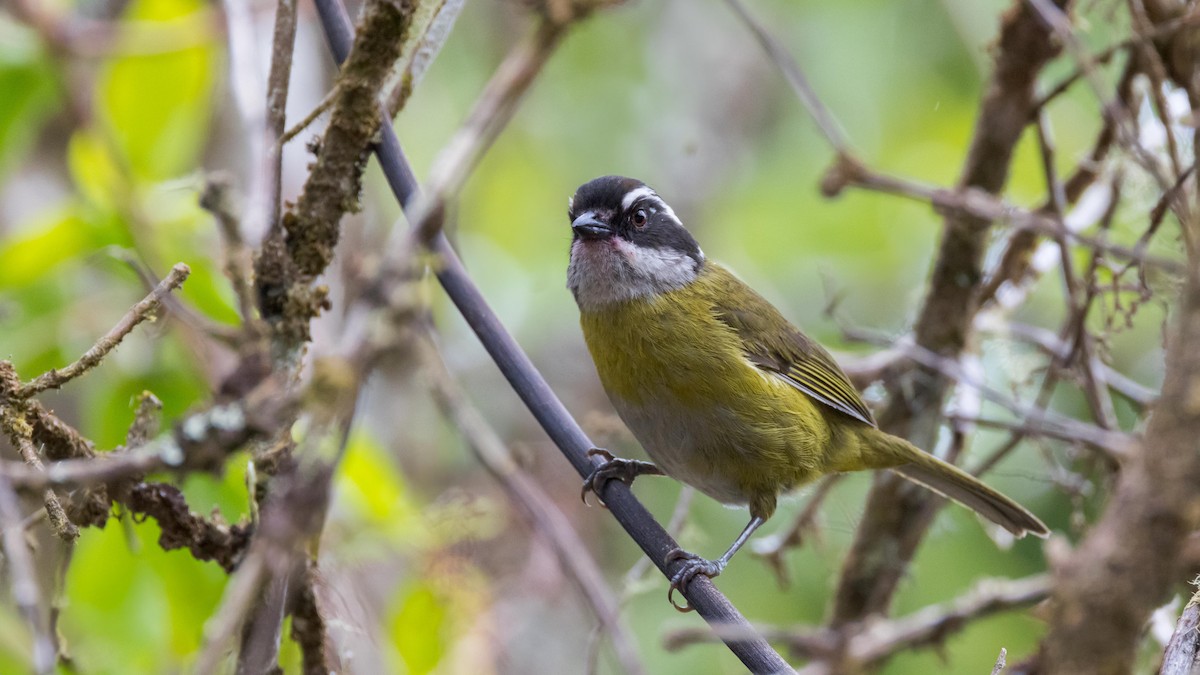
(624, 470)
(694, 564)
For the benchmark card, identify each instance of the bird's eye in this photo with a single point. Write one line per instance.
(639, 218)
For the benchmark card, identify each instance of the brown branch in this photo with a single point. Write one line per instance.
(60, 524)
(930, 626)
(539, 509)
(982, 208)
(239, 262)
(492, 112)
(309, 629)
(1045, 340)
(1107, 588)
(181, 528)
(23, 580)
(1001, 661)
(795, 77)
(771, 549)
(291, 518)
(870, 643)
(898, 513)
(136, 314)
(1182, 655)
(286, 268)
(283, 43)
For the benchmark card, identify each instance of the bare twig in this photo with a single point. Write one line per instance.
(136, 314)
(874, 641)
(755, 653)
(897, 514)
(61, 525)
(1163, 30)
(1108, 586)
(791, 70)
(1053, 16)
(772, 548)
(490, 115)
(283, 44)
(305, 122)
(294, 514)
(1001, 661)
(1182, 656)
(436, 20)
(986, 208)
(25, 591)
(199, 440)
(239, 261)
(239, 597)
(931, 625)
(545, 518)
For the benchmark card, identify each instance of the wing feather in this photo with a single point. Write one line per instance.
(790, 354)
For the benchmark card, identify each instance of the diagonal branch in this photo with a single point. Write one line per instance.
(1107, 588)
(543, 515)
(898, 513)
(758, 656)
(136, 314)
(22, 577)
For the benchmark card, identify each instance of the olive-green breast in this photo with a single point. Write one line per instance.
(680, 378)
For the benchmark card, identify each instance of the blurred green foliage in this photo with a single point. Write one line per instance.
(674, 93)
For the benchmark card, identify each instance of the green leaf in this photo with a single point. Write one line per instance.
(61, 235)
(370, 484)
(27, 81)
(156, 106)
(418, 629)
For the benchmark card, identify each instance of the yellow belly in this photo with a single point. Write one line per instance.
(706, 415)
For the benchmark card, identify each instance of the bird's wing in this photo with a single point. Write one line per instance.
(791, 355)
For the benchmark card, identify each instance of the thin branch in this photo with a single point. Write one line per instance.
(1182, 655)
(292, 516)
(543, 515)
(931, 625)
(792, 72)
(1108, 586)
(319, 109)
(62, 526)
(492, 111)
(283, 43)
(199, 441)
(876, 640)
(536, 393)
(772, 548)
(239, 260)
(1102, 57)
(23, 578)
(897, 515)
(987, 208)
(240, 595)
(1053, 16)
(1001, 661)
(439, 18)
(136, 314)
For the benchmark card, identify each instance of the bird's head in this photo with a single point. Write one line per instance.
(628, 244)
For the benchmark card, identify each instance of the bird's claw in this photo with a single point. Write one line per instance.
(624, 470)
(693, 565)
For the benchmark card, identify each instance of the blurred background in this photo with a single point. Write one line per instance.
(108, 130)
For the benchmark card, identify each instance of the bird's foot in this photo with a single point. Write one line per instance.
(692, 565)
(624, 470)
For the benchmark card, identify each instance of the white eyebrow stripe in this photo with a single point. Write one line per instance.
(634, 195)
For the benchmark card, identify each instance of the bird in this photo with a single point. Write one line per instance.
(719, 388)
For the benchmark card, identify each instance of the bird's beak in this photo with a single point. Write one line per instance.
(587, 226)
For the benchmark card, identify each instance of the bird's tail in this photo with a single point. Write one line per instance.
(952, 482)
